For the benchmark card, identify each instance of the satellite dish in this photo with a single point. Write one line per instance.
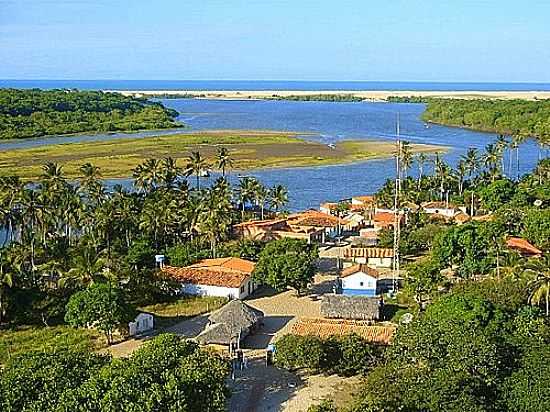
(406, 318)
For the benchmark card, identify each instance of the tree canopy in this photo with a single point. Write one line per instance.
(34, 113)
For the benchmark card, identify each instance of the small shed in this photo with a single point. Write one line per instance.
(231, 324)
(143, 323)
(350, 307)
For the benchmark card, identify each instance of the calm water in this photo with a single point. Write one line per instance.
(268, 85)
(333, 122)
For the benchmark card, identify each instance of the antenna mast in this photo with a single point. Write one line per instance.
(397, 220)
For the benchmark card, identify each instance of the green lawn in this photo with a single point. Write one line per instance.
(23, 339)
(169, 313)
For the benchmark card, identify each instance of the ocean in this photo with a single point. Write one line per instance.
(269, 85)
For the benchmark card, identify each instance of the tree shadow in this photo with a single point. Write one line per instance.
(263, 336)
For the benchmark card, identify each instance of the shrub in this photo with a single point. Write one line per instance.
(344, 355)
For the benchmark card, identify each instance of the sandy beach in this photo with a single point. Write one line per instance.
(364, 94)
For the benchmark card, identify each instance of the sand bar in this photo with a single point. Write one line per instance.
(365, 94)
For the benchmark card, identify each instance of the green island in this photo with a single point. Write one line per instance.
(518, 118)
(35, 113)
(249, 150)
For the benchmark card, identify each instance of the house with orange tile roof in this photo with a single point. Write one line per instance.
(316, 220)
(359, 280)
(228, 277)
(363, 201)
(523, 247)
(325, 328)
(383, 220)
(267, 230)
(372, 256)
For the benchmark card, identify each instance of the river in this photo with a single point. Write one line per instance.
(328, 122)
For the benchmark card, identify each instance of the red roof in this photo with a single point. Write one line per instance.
(522, 246)
(225, 272)
(313, 218)
(325, 328)
(360, 269)
(387, 218)
(364, 199)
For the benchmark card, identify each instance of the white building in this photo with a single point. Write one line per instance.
(224, 277)
(372, 256)
(359, 280)
(144, 322)
(444, 209)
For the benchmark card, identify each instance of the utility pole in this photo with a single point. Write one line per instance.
(397, 220)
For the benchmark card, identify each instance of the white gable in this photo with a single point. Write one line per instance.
(359, 280)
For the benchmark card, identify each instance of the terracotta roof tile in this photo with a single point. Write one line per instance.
(364, 199)
(360, 268)
(313, 218)
(438, 205)
(522, 246)
(225, 272)
(325, 328)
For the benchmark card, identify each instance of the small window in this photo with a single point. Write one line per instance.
(242, 289)
(360, 283)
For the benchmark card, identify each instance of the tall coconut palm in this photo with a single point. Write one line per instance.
(245, 192)
(491, 159)
(461, 171)
(472, 161)
(539, 286)
(421, 160)
(406, 158)
(278, 197)
(261, 195)
(170, 172)
(501, 144)
(442, 173)
(223, 160)
(6, 280)
(196, 165)
(518, 139)
(147, 175)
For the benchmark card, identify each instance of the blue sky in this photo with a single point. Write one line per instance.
(400, 40)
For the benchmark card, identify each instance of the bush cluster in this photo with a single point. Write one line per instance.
(344, 355)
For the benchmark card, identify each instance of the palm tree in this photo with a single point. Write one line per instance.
(261, 194)
(278, 197)
(421, 160)
(6, 281)
(245, 192)
(461, 170)
(518, 139)
(147, 175)
(223, 160)
(540, 284)
(406, 157)
(442, 172)
(170, 172)
(87, 267)
(196, 165)
(471, 161)
(491, 159)
(501, 144)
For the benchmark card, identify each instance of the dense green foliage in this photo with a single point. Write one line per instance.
(286, 263)
(166, 374)
(336, 97)
(461, 354)
(100, 305)
(346, 355)
(33, 113)
(510, 117)
(58, 236)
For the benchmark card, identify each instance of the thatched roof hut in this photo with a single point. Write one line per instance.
(232, 322)
(350, 307)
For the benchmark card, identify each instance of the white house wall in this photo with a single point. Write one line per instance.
(220, 291)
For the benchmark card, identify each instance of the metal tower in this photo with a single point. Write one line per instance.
(397, 220)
